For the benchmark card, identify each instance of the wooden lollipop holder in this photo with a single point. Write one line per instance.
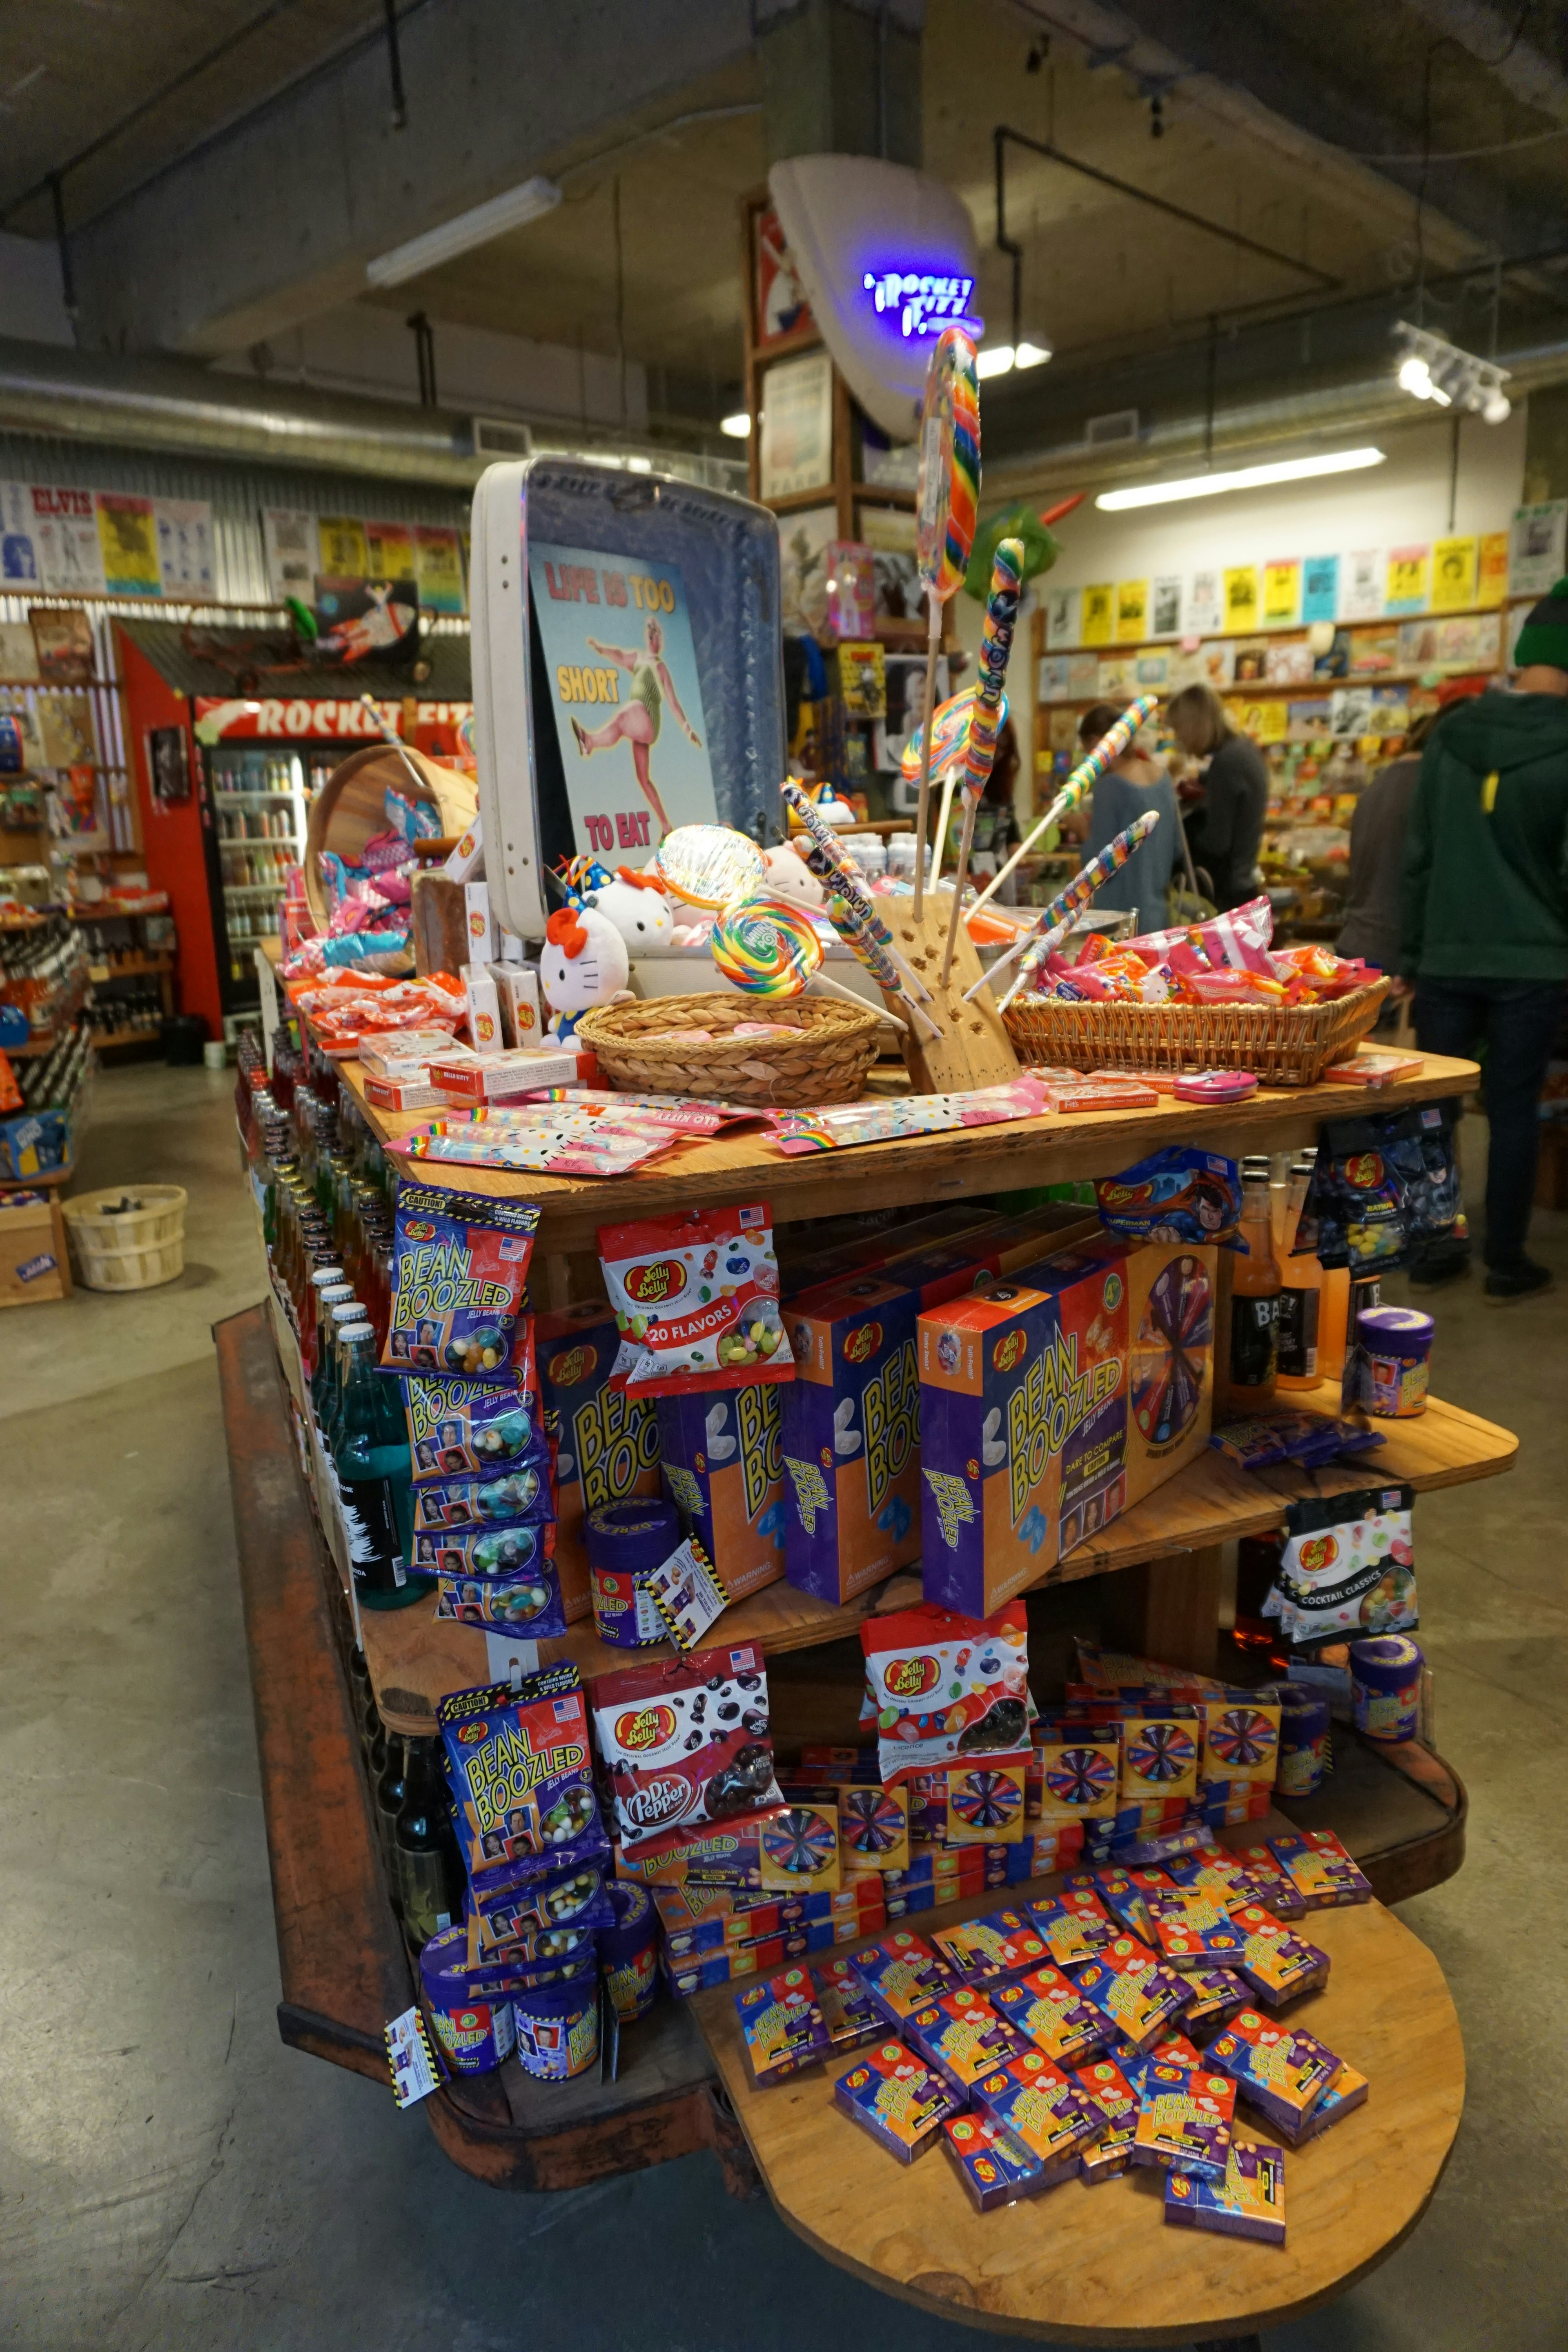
(973, 1049)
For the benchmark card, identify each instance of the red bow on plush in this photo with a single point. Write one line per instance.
(565, 931)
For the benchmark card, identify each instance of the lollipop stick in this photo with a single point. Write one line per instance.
(949, 785)
(922, 813)
(971, 804)
(821, 983)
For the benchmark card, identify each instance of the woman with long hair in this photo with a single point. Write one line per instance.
(1226, 832)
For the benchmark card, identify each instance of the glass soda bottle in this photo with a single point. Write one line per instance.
(1301, 1291)
(1255, 1296)
(422, 1864)
(374, 1481)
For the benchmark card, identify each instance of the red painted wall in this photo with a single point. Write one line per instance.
(172, 834)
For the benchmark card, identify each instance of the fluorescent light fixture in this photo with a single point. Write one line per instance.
(639, 464)
(512, 210)
(1027, 354)
(738, 428)
(1245, 478)
(995, 359)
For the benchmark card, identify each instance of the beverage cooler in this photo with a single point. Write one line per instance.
(227, 780)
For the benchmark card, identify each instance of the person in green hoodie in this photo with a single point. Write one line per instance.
(1485, 921)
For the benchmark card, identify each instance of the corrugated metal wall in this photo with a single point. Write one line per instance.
(237, 494)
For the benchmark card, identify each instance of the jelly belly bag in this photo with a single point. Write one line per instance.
(521, 1782)
(461, 1270)
(851, 1437)
(697, 1301)
(606, 1443)
(947, 1689)
(686, 1745)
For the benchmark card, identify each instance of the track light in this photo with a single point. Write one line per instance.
(738, 428)
(1434, 369)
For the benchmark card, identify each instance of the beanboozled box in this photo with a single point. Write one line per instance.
(1284, 2074)
(898, 2098)
(850, 2015)
(607, 1442)
(781, 2025)
(851, 1438)
(723, 1471)
(994, 2165)
(902, 1974)
(983, 1951)
(1185, 2118)
(1276, 1964)
(1047, 2008)
(1249, 2202)
(1044, 2108)
(1323, 1872)
(1128, 1985)
(1113, 2094)
(963, 2037)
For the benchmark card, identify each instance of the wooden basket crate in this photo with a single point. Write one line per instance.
(824, 1061)
(1283, 1047)
(350, 807)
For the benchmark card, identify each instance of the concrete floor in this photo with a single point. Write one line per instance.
(171, 2176)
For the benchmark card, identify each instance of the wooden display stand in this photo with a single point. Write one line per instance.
(1078, 2265)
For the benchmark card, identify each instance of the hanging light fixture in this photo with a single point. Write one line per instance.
(1432, 368)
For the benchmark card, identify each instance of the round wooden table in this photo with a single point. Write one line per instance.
(1098, 2267)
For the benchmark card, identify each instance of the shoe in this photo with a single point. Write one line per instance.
(1527, 1280)
(1438, 1274)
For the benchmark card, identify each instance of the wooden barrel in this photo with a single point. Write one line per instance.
(350, 807)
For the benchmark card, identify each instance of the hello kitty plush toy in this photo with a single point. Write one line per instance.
(789, 877)
(584, 963)
(637, 907)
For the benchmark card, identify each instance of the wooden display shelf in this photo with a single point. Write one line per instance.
(43, 1182)
(415, 1658)
(108, 1037)
(342, 1965)
(344, 1968)
(1098, 2267)
(926, 1167)
(136, 969)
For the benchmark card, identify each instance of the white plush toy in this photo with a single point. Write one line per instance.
(584, 963)
(638, 909)
(789, 877)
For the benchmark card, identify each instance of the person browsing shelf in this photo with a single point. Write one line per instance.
(1225, 831)
(1135, 784)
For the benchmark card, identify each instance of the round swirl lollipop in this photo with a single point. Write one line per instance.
(945, 519)
(950, 735)
(708, 865)
(769, 947)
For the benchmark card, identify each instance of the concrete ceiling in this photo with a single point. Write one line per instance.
(1300, 127)
(73, 71)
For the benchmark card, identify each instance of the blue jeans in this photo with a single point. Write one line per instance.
(1518, 1022)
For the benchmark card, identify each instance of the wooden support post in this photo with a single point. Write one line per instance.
(1169, 1609)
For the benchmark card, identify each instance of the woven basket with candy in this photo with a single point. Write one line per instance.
(1213, 996)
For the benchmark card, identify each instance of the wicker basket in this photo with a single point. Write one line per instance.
(135, 1249)
(1283, 1047)
(825, 1061)
(352, 806)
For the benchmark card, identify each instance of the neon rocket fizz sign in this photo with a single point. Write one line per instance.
(922, 302)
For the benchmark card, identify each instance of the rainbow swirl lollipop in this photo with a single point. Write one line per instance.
(950, 735)
(949, 466)
(707, 865)
(769, 947)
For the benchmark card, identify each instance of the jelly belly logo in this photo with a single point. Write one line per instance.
(1321, 1551)
(1009, 1349)
(417, 1232)
(1364, 1170)
(1124, 1196)
(1111, 1294)
(650, 1285)
(472, 1732)
(573, 1366)
(910, 1677)
(861, 1344)
(645, 1728)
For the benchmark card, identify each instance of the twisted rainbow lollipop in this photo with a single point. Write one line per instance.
(949, 739)
(980, 751)
(1083, 779)
(945, 519)
(831, 863)
(1050, 924)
